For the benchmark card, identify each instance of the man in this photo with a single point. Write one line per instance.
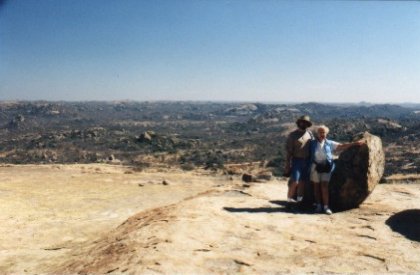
(298, 158)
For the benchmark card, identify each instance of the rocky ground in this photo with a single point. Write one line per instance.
(97, 219)
(193, 134)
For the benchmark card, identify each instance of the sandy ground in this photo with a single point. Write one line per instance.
(106, 219)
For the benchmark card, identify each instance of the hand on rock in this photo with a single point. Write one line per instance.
(359, 143)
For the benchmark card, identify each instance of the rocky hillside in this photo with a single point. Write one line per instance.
(190, 134)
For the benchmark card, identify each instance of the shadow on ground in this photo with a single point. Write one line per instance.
(256, 209)
(407, 223)
(286, 208)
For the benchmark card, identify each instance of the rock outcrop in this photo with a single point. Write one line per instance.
(262, 176)
(147, 136)
(248, 178)
(358, 170)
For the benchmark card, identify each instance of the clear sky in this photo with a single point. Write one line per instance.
(325, 51)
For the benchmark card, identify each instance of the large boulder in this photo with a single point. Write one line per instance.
(358, 170)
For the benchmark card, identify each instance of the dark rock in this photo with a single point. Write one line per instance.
(248, 177)
(147, 136)
(16, 122)
(187, 166)
(265, 176)
(358, 170)
(260, 177)
(20, 118)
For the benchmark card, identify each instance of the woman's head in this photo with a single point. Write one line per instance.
(322, 132)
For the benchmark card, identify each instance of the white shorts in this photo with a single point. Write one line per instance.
(319, 177)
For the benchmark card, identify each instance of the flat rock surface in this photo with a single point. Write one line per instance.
(105, 219)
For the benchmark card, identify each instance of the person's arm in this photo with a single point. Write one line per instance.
(289, 151)
(344, 146)
(288, 164)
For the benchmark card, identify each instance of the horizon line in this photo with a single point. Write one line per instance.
(210, 101)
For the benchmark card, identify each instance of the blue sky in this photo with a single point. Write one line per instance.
(270, 51)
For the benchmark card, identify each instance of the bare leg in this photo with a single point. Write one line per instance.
(317, 192)
(292, 190)
(325, 195)
(301, 188)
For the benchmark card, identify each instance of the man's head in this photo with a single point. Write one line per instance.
(303, 122)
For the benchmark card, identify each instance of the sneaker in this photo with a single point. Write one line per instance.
(318, 209)
(299, 198)
(290, 200)
(327, 210)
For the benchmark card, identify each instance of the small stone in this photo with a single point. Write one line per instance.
(147, 136)
(267, 175)
(248, 177)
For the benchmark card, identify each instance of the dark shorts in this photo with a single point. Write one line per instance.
(300, 170)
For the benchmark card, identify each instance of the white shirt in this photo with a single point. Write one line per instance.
(320, 155)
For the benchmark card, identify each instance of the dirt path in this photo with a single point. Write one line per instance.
(204, 225)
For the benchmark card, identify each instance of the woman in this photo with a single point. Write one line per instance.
(323, 165)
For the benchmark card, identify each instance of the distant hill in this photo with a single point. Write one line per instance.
(191, 134)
